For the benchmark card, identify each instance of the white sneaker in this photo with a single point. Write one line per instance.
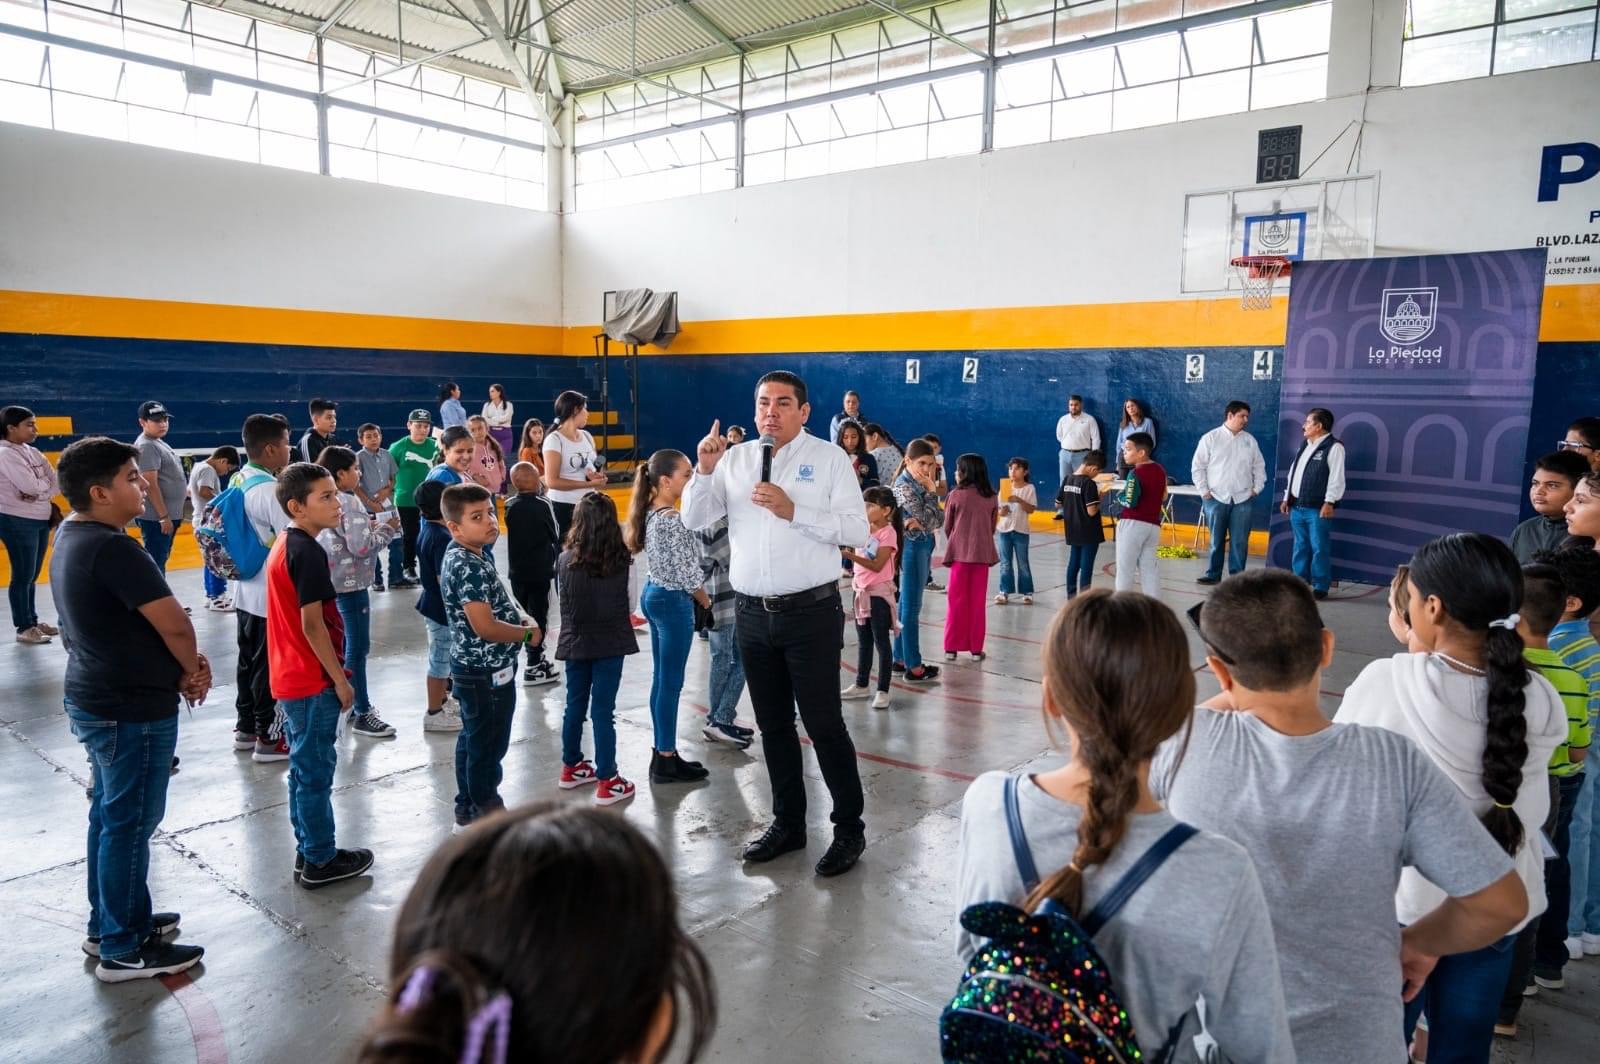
(219, 605)
(1591, 944)
(447, 719)
(1002, 599)
(880, 700)
(854, 692)
(1575, 948)
(451, 702)
(1027, 600)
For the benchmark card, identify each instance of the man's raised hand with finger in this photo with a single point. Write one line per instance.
(711, 449)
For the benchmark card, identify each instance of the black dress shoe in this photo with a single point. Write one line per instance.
(775, 842)
(1208, 580)
(841, 856)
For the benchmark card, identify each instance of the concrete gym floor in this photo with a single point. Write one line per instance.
(855, 968)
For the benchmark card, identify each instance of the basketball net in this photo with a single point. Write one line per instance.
(1257, 276)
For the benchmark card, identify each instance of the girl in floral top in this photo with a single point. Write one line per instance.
(488, 460)
(916, 489)
(656, 530)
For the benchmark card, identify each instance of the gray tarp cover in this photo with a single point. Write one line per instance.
(640, 316)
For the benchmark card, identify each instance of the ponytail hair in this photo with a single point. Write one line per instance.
(1116, 669)
(646, 481)
(880, 496)
(1478, 582)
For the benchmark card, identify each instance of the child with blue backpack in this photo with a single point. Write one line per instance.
(1163, 913)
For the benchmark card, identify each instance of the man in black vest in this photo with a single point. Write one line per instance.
(1316, 484)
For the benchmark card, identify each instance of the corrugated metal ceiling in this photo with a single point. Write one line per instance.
(618, 36)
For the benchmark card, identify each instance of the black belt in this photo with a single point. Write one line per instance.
(784, 603)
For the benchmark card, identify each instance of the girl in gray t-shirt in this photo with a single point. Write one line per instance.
(1117, 678)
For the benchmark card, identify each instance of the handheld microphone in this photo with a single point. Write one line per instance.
(767, 445)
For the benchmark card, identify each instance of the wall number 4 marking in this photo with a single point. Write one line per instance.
(969, 371)
(1261, 366)
(913, 371)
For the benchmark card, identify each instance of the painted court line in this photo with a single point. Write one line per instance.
(894, 762)
(210, 1044)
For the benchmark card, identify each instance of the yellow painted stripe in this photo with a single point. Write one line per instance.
(54, 426)
(614, 442)
(148, 319)
(1570, 313)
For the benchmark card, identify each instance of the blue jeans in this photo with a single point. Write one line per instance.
(25, 540)
(1550, 955)
(158, 543)
(1080, 567)
(131, 765)
(1231, 522)
(397, 550)
(1583, 912)
(1312, 532)
(310, 725)
(486, 712)
(914, 568)
(727, 674)
(1013, 548)
(671, 617)
(1462, 999)
(592, 692)
(356, 609)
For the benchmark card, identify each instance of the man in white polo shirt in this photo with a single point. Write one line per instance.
(1077, 434)
(1230, 472)
(784, 534)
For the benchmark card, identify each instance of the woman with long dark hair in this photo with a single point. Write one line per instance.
(970, 514)
(854, 443)
(1118, 681)
(1135, 418)
(570, 467)
(473, 972)
(531, 449)
(656, 530)
(451, 412)
(27, 513)
(498, 412)
(1471, 703)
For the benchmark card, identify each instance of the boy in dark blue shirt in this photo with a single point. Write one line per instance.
(444, 712)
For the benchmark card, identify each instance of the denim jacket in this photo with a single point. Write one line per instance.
(353, 547)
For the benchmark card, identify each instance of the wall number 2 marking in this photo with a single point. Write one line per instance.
(969, 371)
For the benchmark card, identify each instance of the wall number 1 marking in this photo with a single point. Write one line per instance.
(913, 371)
(969, 371)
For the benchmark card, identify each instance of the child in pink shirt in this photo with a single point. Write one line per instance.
(874, 581)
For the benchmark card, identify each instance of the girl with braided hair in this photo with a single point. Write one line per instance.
(1118, 681)
(1471, 703)
(546, 933)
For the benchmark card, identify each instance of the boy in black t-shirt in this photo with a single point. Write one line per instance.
(130, 654)
(444, 712)
(1079, 502)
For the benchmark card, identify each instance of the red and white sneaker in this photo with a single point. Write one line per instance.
(576, 775)
(614, 790)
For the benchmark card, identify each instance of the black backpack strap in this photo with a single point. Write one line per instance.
(1134, 877)
(1019, 839)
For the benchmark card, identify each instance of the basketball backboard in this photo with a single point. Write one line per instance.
(1324, 218)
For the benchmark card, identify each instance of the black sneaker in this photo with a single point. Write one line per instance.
(345, 864)
(898, 667)
(841, 856)
(748, 733)
(727, 733)
(161, 925)
(922, 674)
(377, 585)
(675, 769)
(299, 866)
(371, 725)
(540, 674)
(1208, 580)
(153, 959)
(1320, 596)
(405, 583)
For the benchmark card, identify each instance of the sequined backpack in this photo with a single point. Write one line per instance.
(1038, 991)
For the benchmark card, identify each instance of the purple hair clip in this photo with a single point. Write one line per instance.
(495, 1015)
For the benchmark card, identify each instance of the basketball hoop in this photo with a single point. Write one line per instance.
(1257, 275)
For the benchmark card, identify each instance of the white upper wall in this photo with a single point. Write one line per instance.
(89, 216)
(1093, 220)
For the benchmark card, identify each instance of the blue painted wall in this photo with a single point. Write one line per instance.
(1567, 387)
(1011, 410)
(211, 387)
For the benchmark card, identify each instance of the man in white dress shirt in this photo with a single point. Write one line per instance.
(1230, 472)
(1077, 434)
(784, 536)
(1316, 484)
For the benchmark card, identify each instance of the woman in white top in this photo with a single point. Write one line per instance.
(570, 462)
(1472, 705)
(1117, 678)
(27, 491)
(498, 412)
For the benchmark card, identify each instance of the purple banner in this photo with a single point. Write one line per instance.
(1427, 363)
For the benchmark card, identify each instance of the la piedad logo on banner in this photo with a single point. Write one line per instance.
(1406, 319)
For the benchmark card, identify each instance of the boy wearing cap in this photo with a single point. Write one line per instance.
(165, 483)
(414, 456)
(319, 437)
